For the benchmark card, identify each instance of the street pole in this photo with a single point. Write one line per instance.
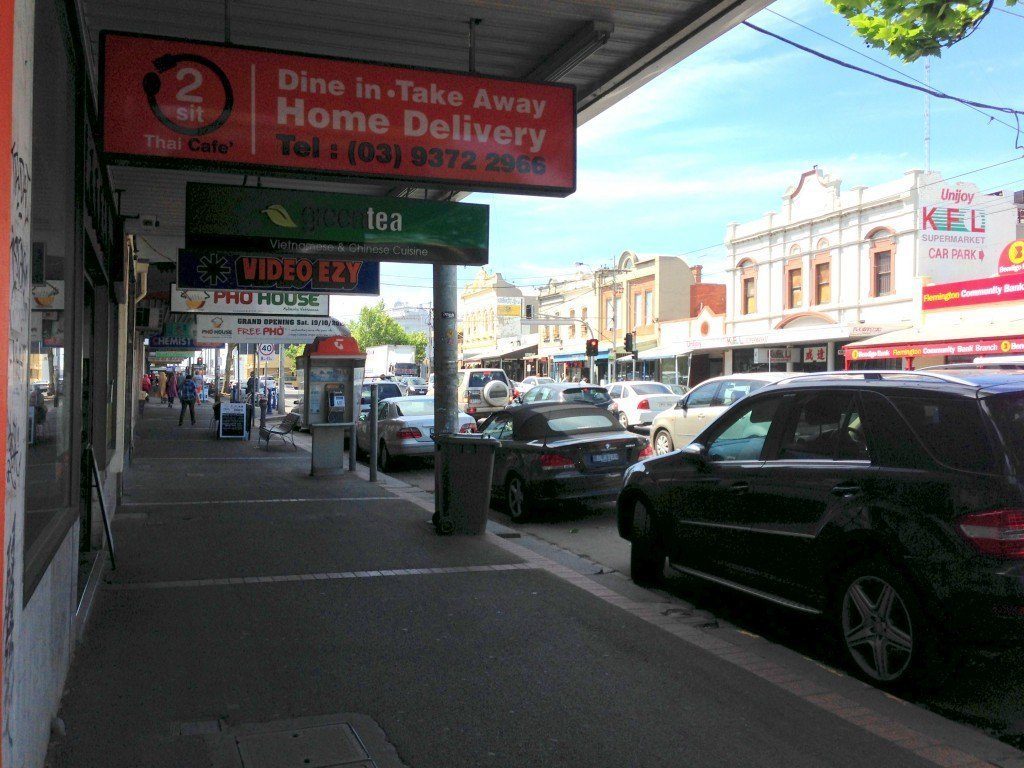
(446, 411)
(612, 359)
(280, 380)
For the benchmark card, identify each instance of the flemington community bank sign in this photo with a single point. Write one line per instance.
(183, 103)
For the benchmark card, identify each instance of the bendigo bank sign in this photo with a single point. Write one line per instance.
(176, 102)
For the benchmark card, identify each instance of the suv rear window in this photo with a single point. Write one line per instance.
(591, 395)
(1008, 413)
(952, 429)
(481, 379)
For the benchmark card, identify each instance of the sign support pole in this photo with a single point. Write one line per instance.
(446, 420)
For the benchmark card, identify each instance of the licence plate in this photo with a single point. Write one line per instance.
(605, 458)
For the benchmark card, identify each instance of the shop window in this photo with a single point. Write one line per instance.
(749, 295)
(52, 401)
(822, 283)
(794, 288)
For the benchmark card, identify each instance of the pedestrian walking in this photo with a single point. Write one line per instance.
(172, 388)
(162, 386)
(188, 399)
(145, 387)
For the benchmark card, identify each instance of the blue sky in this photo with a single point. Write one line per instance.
(720, 136)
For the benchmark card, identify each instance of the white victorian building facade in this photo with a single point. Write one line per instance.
(830, 267)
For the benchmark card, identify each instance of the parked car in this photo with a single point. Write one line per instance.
(405, 428)
(677, 389)
(415, 385)
(532, 381)
(566, 392)
(564, 452)
(385, 390)
(703, 404)
(638, 402)
(483, 391)
(890, 502)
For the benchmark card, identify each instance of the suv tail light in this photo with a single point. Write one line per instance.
(467, 428)
(999, 533)
(555, 461)
(408, 433)
(646, 452)
(644, 405)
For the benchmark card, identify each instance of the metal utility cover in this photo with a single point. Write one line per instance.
(324, 746)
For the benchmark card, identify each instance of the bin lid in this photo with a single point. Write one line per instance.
(335, 347)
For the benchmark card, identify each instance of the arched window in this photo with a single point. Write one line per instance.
(748, 287)
(821, 269)
(557, 333)
(882, 255)
(572, 328)
(794, 278)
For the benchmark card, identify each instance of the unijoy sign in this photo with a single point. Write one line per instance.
(323, 224)
(961, 232)
(309, 274)
(248, 302)
(259, 328)
(178, 102)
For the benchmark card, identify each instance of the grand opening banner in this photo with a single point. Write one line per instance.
(175, 102)
(300, 222)
(211, 270)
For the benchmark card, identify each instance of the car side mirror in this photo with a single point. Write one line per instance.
(698, 452)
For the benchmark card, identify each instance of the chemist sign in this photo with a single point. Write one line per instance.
(181, 103)
(962, 232)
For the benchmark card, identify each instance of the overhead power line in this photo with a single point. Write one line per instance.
(1015, 113)
(883, 64)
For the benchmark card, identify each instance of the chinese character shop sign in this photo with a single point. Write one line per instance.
(175, 102)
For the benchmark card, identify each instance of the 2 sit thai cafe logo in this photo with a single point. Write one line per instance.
(1011, 260)
(198, 101)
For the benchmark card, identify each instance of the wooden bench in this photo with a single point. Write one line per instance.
(282, 429)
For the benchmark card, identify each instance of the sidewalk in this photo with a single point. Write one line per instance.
(262, 618)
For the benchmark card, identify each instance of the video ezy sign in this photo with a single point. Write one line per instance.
(176, 102)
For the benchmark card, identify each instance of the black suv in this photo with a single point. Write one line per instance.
(891, 502)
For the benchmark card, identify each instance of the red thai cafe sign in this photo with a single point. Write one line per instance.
(180, 103)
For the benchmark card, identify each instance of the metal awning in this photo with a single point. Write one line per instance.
(605, 48)
(661, 353)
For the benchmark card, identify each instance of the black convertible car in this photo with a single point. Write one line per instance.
(559, 452)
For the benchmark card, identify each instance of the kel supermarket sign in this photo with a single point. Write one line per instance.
(181, 103)
(246, 328)
(297, 222)
(248, 302)
(961, 232)
(212, 270)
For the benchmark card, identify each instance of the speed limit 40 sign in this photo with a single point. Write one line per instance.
(266, 351)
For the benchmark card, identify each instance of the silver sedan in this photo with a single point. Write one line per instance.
(404, 429)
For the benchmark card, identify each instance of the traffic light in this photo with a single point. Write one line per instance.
(628, 343)
(591, 347)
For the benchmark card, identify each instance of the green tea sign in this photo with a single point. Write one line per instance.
(328, 225)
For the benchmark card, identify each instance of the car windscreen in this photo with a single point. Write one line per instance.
(483, 378)
(415, 407)
(1008, 413)
(565, 422)
(651, 389)
(592, 395)
(417, 381)
(384, 391)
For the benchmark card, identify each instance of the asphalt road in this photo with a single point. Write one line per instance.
(987, 690)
